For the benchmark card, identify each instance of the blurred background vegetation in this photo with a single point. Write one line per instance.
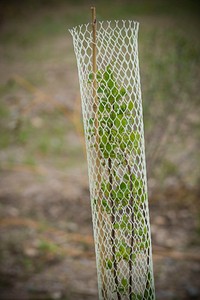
(46, 249)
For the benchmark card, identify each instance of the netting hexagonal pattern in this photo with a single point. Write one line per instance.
(113, 127)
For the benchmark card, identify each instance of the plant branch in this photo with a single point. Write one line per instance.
(132, 230)
(113, 229)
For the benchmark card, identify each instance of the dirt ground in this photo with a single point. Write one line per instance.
(47, 249)
(46, 238)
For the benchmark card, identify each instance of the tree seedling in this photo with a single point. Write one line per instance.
(123, 193)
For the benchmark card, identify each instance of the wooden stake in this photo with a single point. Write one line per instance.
(95, 97)
(94, 52)
(100, 211)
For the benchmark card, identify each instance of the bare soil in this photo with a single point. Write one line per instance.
(47, 248)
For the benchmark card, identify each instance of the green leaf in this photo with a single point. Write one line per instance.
(108, 69)
(122, 146)
(124, 202)
(136, 208)
(113, 115)
(140, 232)
(122, 225)
(121, 129)
(124, 121)
(100, 90)
(125, 225)
(119, 195)
(106, 206)
(145, 229)
(125, 218)
(112, 154)
(113, 194)
(121, 289)
(109, 264)
(101, 107)
(143, 197)
(122, 108)
(141, 246)
(106, 76)
(130, 105)
(104, 203)
(137, 297)
(126, 256)
(104, 139)
(116, 107)
(133, 257)
(147, 244)
(132, 136)
(91, 76)
(110, 123)
(108, 107)
(116, 225)
(114, 91)
(123, 252)
(100, 131)
(111, 84)
(137, 184)
(137, 136)
(120, 116)
(111, 98)
(139, 216)
(117, 123)
(122, 91)
(124, 282)
(91, 121)
(108, 147)
(113, 132)
(126, 177)
(105, 189)
(125, 138)
(123, 186)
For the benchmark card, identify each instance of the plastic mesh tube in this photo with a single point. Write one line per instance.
(113, 126)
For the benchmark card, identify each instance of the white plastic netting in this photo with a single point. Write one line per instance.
(113, 125)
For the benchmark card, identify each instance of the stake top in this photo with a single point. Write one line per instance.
(94, 20)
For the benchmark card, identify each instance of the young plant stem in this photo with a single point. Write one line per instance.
(132, 232)
(148, 266)
(113, 222)
(113, 229)
(148, 256)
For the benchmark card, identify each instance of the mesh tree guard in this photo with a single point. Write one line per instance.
(113, 125)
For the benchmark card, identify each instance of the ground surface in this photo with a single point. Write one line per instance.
(46, 243)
